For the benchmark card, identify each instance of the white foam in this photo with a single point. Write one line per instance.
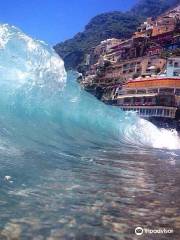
(29, 62)
(145, 133)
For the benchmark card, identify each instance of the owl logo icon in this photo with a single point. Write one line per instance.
(139, 231)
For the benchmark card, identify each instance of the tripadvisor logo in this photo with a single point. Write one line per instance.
(139, 231)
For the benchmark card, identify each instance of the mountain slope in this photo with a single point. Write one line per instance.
(147, 8)
(108, 25)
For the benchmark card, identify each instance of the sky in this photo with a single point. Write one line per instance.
(56, 20)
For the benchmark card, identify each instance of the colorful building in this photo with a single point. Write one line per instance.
(173, 67)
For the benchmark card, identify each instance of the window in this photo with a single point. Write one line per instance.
(176, 64)
(150, 52)
(127, 100)
(153, 90)
(131, 92)
(176, 74)
(154, 112)
(137, 100)
(172, 113)
(170, 62)
(141, 91)
(177, 92)
(159, 112)
(148, 101)
(166, 90)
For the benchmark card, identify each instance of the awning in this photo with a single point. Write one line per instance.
(137, 95)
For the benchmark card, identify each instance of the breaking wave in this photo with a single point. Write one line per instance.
(41, 106)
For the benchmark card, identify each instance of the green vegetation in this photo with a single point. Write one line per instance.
(153, 8)
(109, 25)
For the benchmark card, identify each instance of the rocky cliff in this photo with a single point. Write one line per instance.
(109, 25)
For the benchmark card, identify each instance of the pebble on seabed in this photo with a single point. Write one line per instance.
(11, 231)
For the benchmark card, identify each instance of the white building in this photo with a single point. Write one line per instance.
(173, 67)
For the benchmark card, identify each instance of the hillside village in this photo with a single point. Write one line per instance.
(145, 54)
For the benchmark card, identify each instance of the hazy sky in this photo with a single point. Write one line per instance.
(56, 20)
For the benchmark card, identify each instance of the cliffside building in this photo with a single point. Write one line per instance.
(115, 61)
(173, 67)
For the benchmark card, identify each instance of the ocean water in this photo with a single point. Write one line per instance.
(72, 167)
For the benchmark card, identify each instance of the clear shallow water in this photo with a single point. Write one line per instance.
(79, 169)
